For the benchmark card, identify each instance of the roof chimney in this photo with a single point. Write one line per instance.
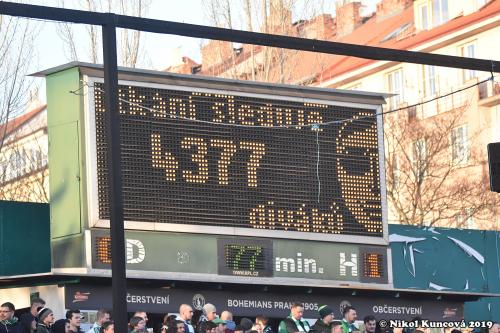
(348, 16)
(388, 8)
(215, 52)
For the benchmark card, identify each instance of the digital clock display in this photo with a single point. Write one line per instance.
(227, 159)
(244, 257)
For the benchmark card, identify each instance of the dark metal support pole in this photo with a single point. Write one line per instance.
(247, 37)
(118, 273)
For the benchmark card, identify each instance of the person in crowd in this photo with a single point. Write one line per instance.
(176, 326)
(370, 324)
(185, 315)
(322, 325)
(45, 319)
(196, 319)
(350, 316)
(75, 320)
(137, 325)
(61, 326)
(221, 325)
(246, 325)
(336, 326)
(143, 315)
(262, 321)
(228, 318)
(167, 319)
(294, 322)
(209, 314)
(8, 323)
(238, 329)
(102, 316)
(495, 328)
(27, 321)
(107, 327)
(256, 328)
(210, 327)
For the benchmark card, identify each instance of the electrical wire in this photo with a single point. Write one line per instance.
(314, 125)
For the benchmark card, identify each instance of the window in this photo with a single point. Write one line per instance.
(439, 12)
(395, 85)
(460, 152)
(16, 166)
(465, 219)
(432, 13)
(469, 51)
(429, 80)
(419, 154)
(424, 17)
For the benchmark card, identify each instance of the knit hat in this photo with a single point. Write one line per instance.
(207, 308)
(324, 311)
(43, 313)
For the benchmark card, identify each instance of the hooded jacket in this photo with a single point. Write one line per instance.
(9, 325)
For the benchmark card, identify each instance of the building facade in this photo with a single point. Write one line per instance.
(23, 157)
(436, 159)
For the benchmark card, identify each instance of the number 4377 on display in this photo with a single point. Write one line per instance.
(199, 146)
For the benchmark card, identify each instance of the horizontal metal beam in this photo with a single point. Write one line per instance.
(245, 37)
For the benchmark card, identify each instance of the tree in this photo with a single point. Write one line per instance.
(129, 41)
(434, 176)
(257, 62)
(16, 62)
(16, 45)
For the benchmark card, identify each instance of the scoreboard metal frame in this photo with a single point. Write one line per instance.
(213, 87)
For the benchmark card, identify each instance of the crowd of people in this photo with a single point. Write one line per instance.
(41, 319)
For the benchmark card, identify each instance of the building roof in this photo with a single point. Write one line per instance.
(373, 32)
(17, 122)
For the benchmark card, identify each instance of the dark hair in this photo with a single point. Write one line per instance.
(9, 305)
(105, 325)
(59, 326)
(369, 318)
(347, 309)
(37, 300)
(195, 319)
(168, 318)
(69, 313)
(134, 321)
(296, 305)
(172, 325)
(336, 323)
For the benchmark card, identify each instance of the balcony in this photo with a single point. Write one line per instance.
(489, 93)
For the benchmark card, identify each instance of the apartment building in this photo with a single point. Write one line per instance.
(436, 139)
(24, 172)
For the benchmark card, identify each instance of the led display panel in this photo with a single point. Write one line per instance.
(229, 159)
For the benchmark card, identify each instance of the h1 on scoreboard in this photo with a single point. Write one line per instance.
(228, 157)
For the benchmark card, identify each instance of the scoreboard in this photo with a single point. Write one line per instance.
(231, 159)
